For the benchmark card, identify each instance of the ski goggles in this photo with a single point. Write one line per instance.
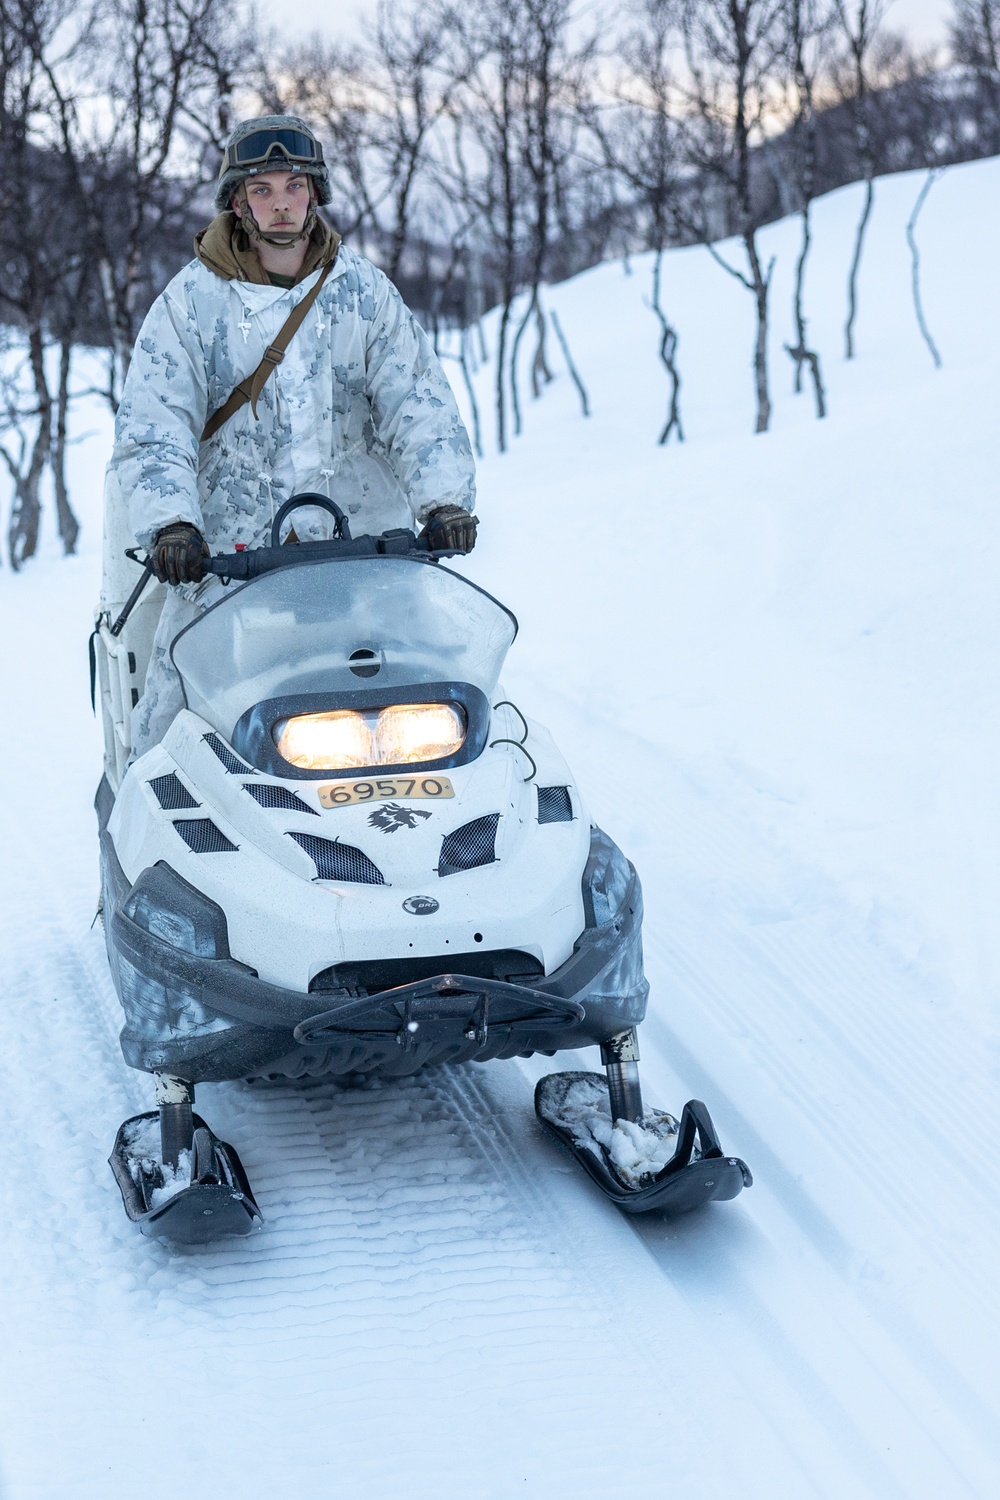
(256, 149)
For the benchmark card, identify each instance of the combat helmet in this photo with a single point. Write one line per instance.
(271, 143)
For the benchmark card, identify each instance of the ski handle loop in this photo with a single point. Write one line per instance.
(695, 1122)
(309, 501)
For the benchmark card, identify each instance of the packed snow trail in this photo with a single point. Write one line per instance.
(771, 663)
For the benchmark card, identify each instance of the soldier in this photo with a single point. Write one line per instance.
(356, 408)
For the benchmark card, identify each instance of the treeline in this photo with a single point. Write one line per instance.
(477, 151)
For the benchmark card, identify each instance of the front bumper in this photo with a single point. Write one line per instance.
(212, 1018)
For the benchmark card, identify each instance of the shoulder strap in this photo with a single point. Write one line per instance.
(250, 388)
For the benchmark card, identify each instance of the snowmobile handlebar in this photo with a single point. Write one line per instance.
(244, 565)
(247, 564)
(256, 561)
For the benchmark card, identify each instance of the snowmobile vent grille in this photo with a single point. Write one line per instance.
(469, 846)
(231, 762)
(202, 836)
(337, 861)
(171, 793)
(370, 976)
(554, 805)
(270, 795)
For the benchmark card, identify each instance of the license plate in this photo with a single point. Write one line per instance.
(385, 788)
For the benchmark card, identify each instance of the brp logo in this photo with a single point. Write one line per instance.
(420, 906)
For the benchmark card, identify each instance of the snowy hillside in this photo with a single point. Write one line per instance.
(772, 663)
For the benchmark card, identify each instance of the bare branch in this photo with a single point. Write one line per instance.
(911, 240)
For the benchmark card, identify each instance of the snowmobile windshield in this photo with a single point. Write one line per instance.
(332, 628)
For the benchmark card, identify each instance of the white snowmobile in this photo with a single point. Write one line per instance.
(352, 855)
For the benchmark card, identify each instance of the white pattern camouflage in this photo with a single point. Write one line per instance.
(359, 410)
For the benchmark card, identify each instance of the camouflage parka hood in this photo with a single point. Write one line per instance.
(225, 248)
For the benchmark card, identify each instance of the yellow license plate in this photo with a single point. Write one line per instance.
(385, 788)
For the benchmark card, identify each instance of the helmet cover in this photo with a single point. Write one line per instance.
(281, 153)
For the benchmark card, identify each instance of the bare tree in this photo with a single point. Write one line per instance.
(806, 28)
(408, 47)
(26, 463)
(106, 108)
(731, 48)
(860, 23)
(66, 521)
(328, 84)
(552, 72)
(511, 161)
(484, 165)
(42, 266)
(76, 294)
(458, 271)
(975, 33)
(642, 143)
(378, 103)
(975, 44)
(136, 114)
(911, 240)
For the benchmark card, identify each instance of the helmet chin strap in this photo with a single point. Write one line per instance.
(280, 238)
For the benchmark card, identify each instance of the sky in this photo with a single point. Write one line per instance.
(923, 21)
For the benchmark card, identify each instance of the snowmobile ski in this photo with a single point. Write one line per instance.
(696, 1171)
(208, 1196)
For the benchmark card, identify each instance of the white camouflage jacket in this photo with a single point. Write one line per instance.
(359, 410)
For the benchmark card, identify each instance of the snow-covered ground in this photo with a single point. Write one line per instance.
(772, 662)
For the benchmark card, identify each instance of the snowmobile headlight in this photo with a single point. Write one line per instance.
(404, 734)
(337, 741)
(407, 734)
(163, 904)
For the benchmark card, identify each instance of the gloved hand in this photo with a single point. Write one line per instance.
(178, 552)
(450, 527)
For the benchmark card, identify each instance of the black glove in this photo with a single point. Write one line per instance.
(178, 552)
(450, 528)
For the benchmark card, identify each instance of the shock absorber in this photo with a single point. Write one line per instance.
(620, 1056)
(174, 1100)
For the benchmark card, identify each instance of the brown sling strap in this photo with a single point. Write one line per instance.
(250, 388)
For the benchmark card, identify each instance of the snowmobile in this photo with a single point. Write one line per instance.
(352, 855)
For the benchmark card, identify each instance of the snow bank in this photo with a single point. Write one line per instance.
(805, 620)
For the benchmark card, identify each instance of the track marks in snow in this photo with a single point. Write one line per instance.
(410, 1296)
(828, 1061)
(407, 1271)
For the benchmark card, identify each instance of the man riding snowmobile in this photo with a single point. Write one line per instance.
(352, 404)
(323, 741)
